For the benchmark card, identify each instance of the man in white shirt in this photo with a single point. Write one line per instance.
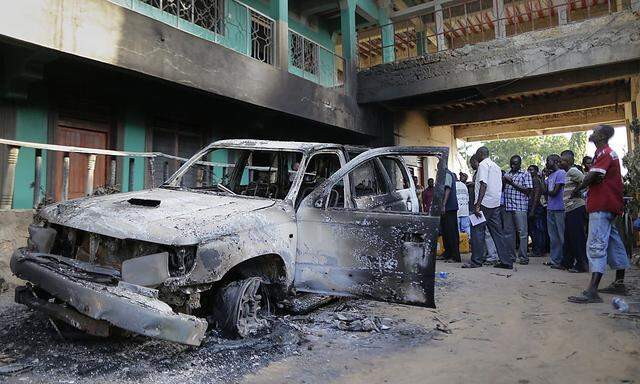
(488, 193)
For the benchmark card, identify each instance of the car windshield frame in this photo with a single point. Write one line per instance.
(173, 182)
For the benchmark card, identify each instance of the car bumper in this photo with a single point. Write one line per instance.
(117, 305)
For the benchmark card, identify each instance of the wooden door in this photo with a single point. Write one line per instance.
(80, 134)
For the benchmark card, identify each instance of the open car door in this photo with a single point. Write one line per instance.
(366, 248)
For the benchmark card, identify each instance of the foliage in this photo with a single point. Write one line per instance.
(534, 150)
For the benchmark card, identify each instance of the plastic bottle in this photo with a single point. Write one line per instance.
(620, 304)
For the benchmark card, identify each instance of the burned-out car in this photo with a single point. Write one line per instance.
(241, 225)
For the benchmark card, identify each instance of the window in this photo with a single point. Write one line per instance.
(257, 173)
(397, 173)
(367, 181)
(321, 166)
(304, 54)
(261, 38)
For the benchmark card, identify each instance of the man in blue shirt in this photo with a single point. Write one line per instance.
(554, 190)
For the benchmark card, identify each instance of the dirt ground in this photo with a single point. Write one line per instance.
(492, 326)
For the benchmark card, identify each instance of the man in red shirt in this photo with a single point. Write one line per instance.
(604, 204)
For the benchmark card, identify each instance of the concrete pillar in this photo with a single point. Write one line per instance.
(562, 14)
(421, 46)
(442, 42)
(91, 167)
(498, 14)
(6, 199)
(349, 44)
(387, 31)
(281, 13)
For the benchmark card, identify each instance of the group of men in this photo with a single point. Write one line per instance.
(567, 210)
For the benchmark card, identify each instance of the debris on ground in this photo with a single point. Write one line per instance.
(442, 326)
(3, 285)
(12, 369)
(355, 322)
(501, 274)
(305, 303)
(28, 337)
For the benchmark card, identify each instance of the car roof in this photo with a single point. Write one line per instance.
(283, 145)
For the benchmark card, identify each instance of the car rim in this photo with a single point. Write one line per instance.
(249, 308)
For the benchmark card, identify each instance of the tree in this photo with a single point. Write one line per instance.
(534, 150)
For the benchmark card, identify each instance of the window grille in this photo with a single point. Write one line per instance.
(208, 14)
(261, 37)
(304, 54)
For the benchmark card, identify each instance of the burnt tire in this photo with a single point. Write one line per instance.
(241, 307)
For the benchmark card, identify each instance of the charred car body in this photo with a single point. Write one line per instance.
(242, 223)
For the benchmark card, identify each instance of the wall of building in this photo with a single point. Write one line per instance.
(32, 124)
(412, 128)
(108, 33)
(134, 140)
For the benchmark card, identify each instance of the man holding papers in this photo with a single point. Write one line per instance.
(488, 191)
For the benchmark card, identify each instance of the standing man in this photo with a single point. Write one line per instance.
(553, 189)
(427, 196)
(516, 199)
(488, 191)
(604, 203)
(537, 214)
(462, 193)
(587, 161)
(488, 251)
(575, 241)
(449, 220)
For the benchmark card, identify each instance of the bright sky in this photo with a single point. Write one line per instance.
(618, 144)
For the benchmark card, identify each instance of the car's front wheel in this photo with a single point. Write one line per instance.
(242, 307)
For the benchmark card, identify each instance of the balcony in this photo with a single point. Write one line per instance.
(246, 30)
(455, 24)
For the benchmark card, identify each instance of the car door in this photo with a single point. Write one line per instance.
(359, 250)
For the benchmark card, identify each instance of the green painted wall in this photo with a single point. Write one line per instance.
(134, 140)
(237, 30)
(31, 125)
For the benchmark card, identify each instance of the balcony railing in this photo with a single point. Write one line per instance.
(314, 62)
(225, 22)
(156, 168)
(472, 22)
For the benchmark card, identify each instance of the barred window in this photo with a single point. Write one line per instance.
(304, 54)
(208, 14)
(261, 38)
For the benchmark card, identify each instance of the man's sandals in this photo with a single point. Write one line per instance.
(585, 298)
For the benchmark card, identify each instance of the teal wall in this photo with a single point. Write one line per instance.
(134, 140)
(31, 125)
(237, 28)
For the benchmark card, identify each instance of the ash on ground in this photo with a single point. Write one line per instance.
(31, 350)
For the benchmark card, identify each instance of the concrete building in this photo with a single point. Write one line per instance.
(171, 75)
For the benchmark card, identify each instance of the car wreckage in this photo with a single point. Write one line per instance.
(241, 225)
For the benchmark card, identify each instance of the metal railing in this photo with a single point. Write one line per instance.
(208, 14)
(475, 21)
(92, 154)
(314, 62)
(226, 22)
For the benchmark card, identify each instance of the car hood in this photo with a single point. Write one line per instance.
(179, 217)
